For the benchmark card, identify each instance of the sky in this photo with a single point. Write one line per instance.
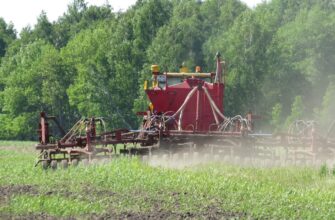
(25, 12)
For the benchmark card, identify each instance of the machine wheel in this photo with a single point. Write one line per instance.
(105, 161)
(64, 164)
(95, 161)
(45, 164)
(53, 164)
(85, 162)
(74, 162)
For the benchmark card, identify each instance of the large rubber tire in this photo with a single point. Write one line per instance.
(64, 164)
(53, 164)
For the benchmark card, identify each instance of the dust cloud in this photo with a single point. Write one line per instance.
(280, 158)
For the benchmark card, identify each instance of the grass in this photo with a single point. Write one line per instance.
(17, 143)
(129, 186)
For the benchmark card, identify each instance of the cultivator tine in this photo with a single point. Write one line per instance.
(53, 164)
(74, 162)
(64, 164)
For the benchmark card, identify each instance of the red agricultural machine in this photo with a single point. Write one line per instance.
(185, 120)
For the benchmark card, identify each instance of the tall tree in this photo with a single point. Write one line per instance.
(180, 40)
(7, 35)
(77, 18)
(43, 29)
(301, 58)
(34, 80)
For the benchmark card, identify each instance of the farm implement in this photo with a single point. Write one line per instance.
(185, 121)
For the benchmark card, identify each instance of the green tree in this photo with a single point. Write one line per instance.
(276, 119)
(7, 35)
(327, 113)
(33, 80)
(297, 111)
(92, 61)
(243, 47)
(77, 18)
(300, 57)
(103, 77)
(180, 40)
(44, 29)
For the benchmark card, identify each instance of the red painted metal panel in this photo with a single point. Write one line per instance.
(198, 115)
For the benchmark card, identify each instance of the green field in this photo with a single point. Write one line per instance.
(127, 188)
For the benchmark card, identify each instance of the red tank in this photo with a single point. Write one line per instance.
(189, 97)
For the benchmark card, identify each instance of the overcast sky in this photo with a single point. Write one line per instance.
(25, 12)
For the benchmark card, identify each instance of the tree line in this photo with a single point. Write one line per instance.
(93, 61)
